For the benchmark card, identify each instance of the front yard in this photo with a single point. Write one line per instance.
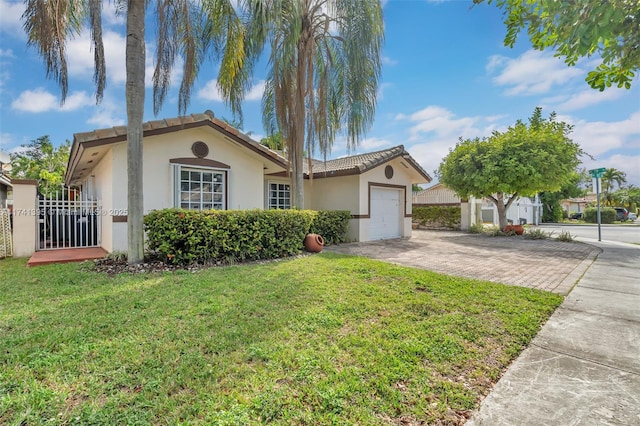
(323, 339)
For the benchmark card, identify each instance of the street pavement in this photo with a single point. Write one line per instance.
(583, 367)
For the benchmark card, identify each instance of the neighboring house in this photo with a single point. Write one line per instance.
(522, 210)
(578, 205)
(200, 162)
(438, 195)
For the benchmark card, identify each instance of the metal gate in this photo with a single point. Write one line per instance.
(66, 219)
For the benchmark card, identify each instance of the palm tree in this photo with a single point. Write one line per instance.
(324, 68)
(185, 28)
(609, 177)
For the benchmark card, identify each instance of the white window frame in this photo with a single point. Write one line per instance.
(216, 203)
(287, 200)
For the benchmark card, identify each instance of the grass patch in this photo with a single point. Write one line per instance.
(326, 339)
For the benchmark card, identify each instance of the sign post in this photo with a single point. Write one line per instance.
(597, 174)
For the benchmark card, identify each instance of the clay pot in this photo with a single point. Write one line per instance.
(517, 229)
(314, 243)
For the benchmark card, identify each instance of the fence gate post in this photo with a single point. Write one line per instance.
(25, 215)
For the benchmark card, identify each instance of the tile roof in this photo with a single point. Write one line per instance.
(357, 164)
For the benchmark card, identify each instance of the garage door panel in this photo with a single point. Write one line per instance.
(386, 213)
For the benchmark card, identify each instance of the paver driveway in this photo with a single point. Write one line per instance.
(543, 264)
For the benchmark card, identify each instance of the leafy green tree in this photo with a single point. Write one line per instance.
(325, 65)
(416, 188)
(525, 159)
(187, 29)
(274, 142)
(576, 29)
(628, 197)
(43, 162)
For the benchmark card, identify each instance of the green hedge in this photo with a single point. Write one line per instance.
(607, 215)
(191, 236)
(438, 216)
(332, 225)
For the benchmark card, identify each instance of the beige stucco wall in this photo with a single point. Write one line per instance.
(25, 216)
(102, 186)
(245, 177)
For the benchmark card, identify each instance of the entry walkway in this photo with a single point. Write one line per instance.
(66, 255)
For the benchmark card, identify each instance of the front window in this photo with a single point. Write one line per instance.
(202, 189)
(279, 196)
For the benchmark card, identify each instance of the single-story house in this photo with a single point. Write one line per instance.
(200, 162)
(578, 205)
(522, 210)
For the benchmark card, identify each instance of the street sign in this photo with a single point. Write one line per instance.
(597, 173)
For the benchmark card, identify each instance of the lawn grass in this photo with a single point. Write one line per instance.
(323, 339)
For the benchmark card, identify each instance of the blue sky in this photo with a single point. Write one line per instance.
(446, 75)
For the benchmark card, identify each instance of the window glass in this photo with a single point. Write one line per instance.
(197, 191)
(279, 196)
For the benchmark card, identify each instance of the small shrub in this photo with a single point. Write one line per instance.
(118, 256)
(537, 234)
(493, 231)
(332, 225)
(476, 228)
(607, 215)
(566, 237)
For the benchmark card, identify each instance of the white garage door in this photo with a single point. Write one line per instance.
(386, 213)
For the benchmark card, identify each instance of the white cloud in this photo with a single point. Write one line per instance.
(388, 61)
(599, 137)
(373, 143)
(107, 114)
(437, 129)
(533, 72)
(6, 53)
(583, 99)
(441, 123)
(10, 18)
(110, 14)
(381, 89)
(39, 100)
(210, 92)
(255, 94)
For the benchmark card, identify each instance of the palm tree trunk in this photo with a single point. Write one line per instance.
(135, 66)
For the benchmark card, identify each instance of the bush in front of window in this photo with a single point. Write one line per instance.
(191, 236)
(332, 225)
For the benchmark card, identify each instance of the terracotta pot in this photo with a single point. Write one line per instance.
(314, 243)
(517, 229)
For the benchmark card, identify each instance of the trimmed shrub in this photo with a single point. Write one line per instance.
(607, 215)
(192, 236)
(332, 225)
(438, 216)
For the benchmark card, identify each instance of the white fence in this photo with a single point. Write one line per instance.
(67, 220)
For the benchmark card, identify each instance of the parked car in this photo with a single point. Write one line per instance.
(576, 216)
(632, 216)
(622, 214)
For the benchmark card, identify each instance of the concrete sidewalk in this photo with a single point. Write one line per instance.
(583, 368)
